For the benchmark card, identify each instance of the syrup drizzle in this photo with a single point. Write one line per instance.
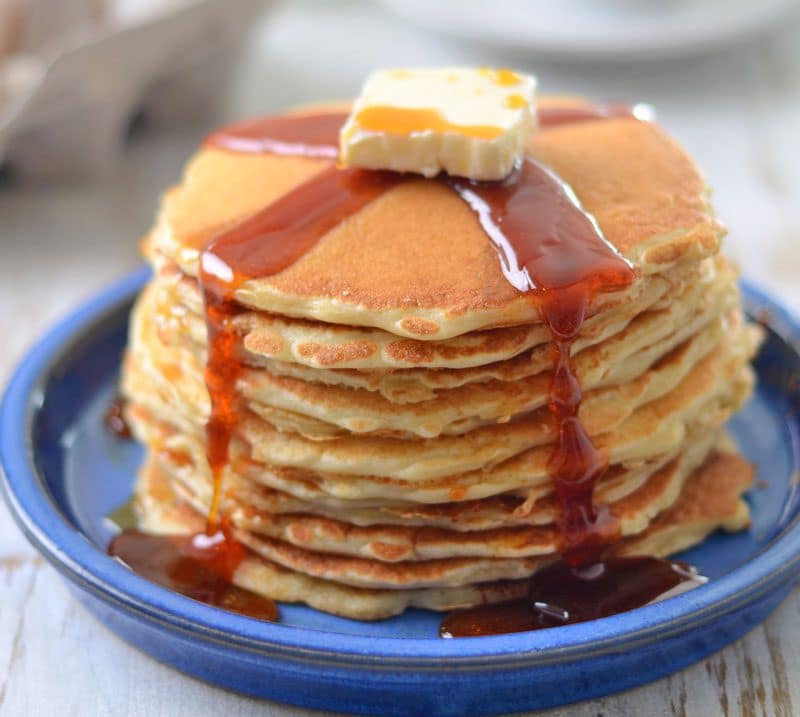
(261, 246)
(549, 247)
(264, 244)
(315, 135)
(553, 249)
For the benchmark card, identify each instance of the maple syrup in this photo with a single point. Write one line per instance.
(564, 595)
(198, 566)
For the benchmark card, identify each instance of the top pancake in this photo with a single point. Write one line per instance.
(415, 262)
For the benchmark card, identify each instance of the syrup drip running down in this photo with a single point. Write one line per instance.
(202, 566)
(552, 249)
(266, 243)
(199, 566)
(548, 247)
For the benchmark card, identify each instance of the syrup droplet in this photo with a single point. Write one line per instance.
(115, 419)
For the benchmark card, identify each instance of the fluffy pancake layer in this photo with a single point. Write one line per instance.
(708, 500)
(392, 438)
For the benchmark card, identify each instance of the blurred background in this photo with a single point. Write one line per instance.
(102, 101)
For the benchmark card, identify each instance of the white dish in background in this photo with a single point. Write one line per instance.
(597, 29)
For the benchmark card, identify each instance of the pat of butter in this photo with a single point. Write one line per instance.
(471, 123)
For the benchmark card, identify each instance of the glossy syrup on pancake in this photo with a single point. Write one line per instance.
(314, 135)
(263, 245)
(548, 246)
(554, 250)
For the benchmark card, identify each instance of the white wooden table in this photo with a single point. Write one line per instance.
(738, 113)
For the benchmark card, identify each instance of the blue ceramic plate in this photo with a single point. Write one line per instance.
(64, 473)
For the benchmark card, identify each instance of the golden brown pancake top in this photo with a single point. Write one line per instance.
(420, 246)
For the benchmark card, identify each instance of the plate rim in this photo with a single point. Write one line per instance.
(82, 562)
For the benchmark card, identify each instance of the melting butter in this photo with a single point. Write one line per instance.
(472, 123)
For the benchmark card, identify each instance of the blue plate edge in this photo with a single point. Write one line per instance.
(80, 561)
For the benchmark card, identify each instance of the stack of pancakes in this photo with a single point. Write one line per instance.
(393, 432)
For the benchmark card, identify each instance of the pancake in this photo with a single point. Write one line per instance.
(403, 542)
(698, 300)
(638, 345)
(612, 416)
(525, 474)
(394, 265)
(319, 345)
(278, 537)
(710, 499)
(395, 398)
(330, 411)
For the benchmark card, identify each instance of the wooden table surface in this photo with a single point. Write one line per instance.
(737, 112)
